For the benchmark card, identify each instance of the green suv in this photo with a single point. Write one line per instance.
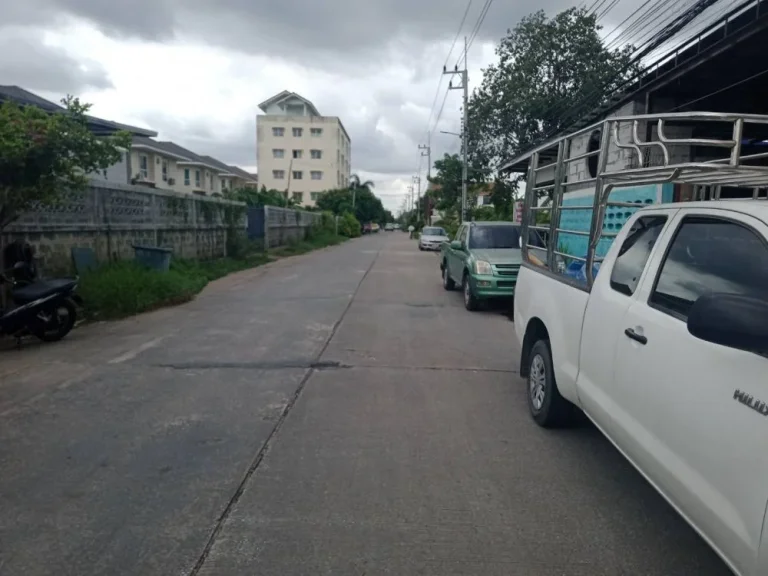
(484, 258)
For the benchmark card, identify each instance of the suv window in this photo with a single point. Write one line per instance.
(634, 253)
(710, 255)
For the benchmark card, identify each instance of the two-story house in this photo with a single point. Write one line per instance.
(299, 151)
(166, 165)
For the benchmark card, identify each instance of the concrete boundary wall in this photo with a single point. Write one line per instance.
(111, 217)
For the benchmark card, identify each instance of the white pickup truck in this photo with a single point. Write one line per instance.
(668, 355)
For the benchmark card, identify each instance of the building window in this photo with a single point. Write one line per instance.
(297, 154)
(223, 184)
(210, 181)
(197, 178)
(316, 154)
(315, 195)
(278, 174)
(338, 178)
(297, 175)
(143, 166)
(165, 170)
(316, 131)
(316, 175)
(298, 132)
(186, 177)
(278, 153)
(276, 131)
(298, 196)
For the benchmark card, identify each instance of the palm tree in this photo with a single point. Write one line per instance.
(355, 184)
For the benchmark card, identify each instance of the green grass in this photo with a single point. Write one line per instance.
(316, 242)
(125, 288)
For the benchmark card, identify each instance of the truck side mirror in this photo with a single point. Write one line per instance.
(456, 245)
(732, 320)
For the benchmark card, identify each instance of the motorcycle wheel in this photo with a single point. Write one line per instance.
(61, 321)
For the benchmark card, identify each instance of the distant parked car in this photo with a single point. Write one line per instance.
(389, 227)
(432, 237)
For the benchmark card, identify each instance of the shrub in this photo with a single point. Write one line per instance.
(349, 226)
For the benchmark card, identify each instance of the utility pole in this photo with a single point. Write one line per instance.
(417, 181)
(426, 150)
(410, 198)
(464, 86)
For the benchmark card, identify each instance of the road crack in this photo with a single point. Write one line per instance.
(273, 434)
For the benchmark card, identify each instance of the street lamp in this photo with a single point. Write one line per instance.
(451, 133)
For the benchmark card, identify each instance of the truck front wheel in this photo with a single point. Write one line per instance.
(548, 408)
(448, 282)
(470, 300)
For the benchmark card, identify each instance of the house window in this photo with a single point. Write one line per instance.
(278, 174)
(197, 178)
(315, 195)
(165, 170)
(143, 166)
(278, 153)
(186, 177)
(316, 131)
(297, 154)
(276, 131)
(298, 196)
(210, 181)
(298, 132)
(316, 175)
(316, 154)
(223, 184)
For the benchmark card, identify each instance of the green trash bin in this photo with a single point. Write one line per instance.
(153, 257)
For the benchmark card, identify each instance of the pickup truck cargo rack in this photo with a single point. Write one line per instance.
(654, 159)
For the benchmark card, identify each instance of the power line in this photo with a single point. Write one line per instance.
(448, 56)
(475, 29)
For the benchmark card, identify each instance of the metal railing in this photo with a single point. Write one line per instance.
(658, 157)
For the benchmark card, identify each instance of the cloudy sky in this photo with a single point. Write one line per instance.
(196, 70)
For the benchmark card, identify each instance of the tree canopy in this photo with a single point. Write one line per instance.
(549, 73)
(44, 155)
(367, 208)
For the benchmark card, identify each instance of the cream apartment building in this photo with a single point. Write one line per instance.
(299, 151)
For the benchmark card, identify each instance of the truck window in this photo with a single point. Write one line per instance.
(463, 235)
(710, 255)
(634, 253)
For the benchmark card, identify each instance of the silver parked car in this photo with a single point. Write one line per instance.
(432, 237)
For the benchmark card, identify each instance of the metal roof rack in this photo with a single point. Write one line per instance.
(658, 157)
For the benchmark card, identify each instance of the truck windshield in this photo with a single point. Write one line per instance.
(433, 232)
(494, 237)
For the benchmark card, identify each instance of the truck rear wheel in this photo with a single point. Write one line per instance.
(548, 408)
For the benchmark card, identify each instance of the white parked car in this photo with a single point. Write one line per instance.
(432, 238)
(667, 354)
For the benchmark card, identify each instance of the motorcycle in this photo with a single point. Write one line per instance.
(46, 309)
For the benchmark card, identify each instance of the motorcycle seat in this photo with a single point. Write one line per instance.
(41, 289)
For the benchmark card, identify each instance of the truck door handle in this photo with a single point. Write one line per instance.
(635, 336)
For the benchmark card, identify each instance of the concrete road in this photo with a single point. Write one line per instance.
(335, 413)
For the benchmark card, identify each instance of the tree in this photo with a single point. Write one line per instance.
(355, 183)
(447, 192)
(368, 208)
(549, 73)
(261, 197)
(44, 155)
